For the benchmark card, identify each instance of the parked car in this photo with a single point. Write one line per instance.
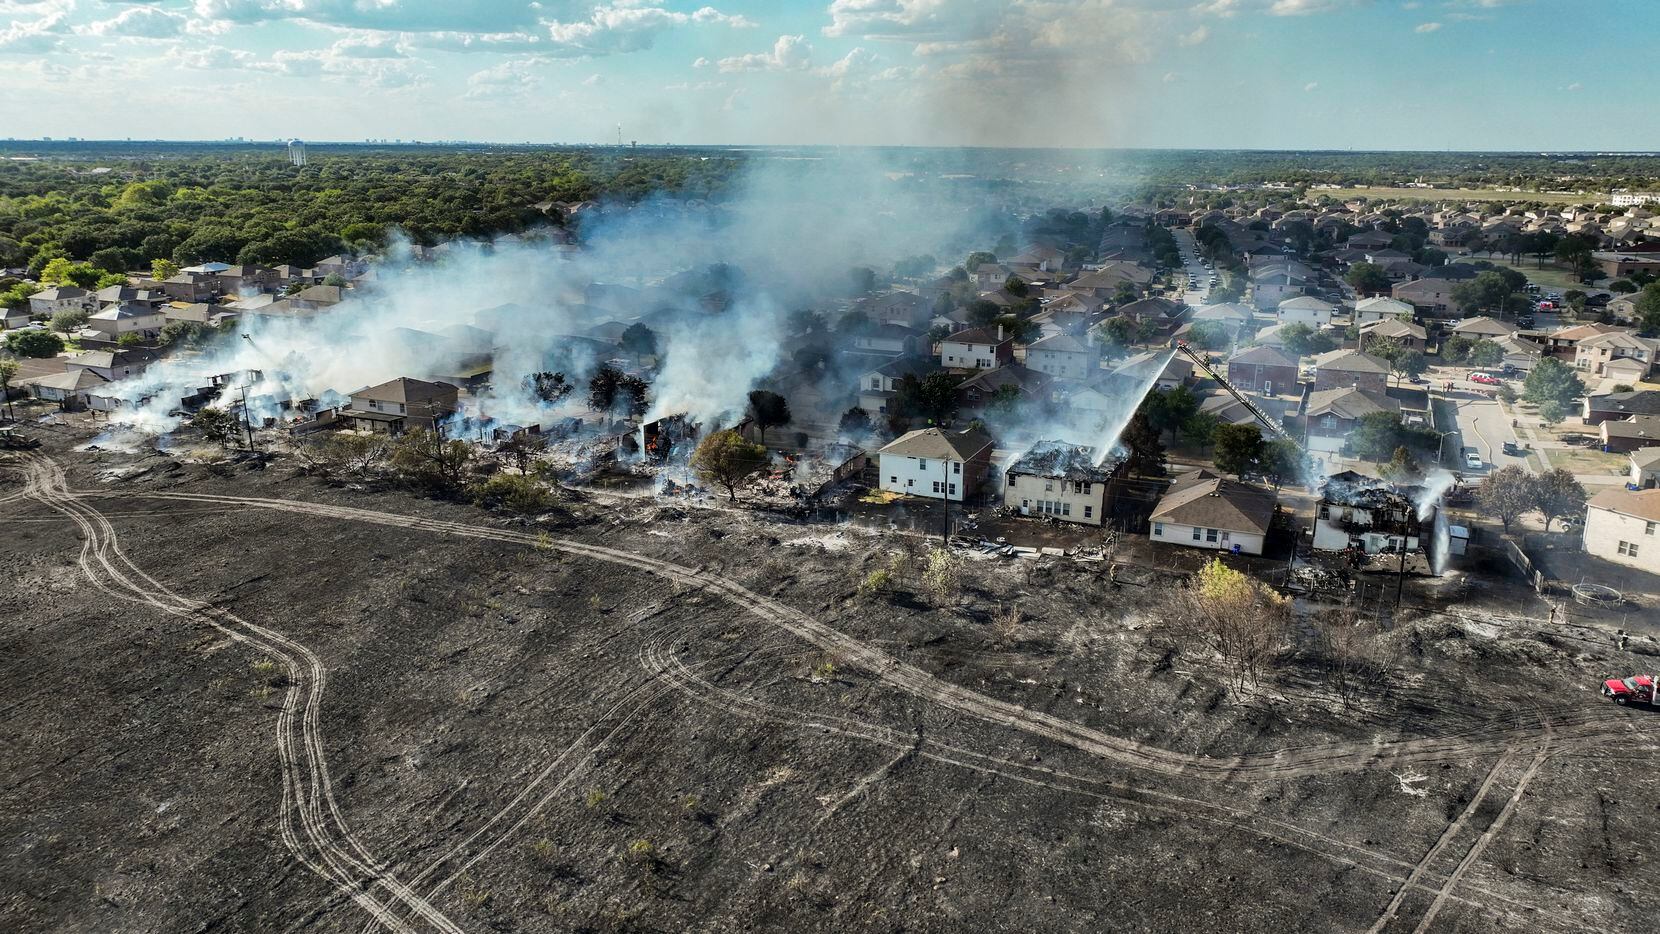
(1524, 321)
(1573, 437)
(1486, 379)
(1514, 451)
(1638, 689)
(1472, 460)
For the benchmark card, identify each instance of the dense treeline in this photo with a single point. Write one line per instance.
(121, 209)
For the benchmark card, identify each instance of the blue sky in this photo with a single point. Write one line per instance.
(1329, 74)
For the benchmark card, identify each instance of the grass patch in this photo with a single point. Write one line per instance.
(880, 497)
(1551, 278)
(1587, 461)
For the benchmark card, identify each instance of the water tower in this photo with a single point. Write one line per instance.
(296, 153)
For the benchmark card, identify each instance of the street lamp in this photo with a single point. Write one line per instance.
(1441, 448)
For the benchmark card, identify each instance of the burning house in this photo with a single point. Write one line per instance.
(1062, 481)
(670, 438)
(1368, 515)
(400, 405)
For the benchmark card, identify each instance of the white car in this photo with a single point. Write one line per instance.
(1472, 460)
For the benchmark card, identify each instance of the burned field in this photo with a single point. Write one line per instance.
(243, 700)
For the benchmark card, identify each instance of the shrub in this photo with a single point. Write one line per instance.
(516, 492)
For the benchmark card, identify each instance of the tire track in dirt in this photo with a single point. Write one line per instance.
(1392, 869)
(1291, 762)
(307, 796)
(1481, 843)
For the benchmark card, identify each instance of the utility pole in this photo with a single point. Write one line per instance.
(945, 502)
(247, 422)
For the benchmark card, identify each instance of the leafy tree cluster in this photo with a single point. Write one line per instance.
(188, 204)
(1511, 492)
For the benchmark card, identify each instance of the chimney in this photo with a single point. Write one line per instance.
(1000, 334)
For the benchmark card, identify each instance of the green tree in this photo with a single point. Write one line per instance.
(1239, 448)
(1555, 494)
(8, 375)
(855, 423)
(1200, 428)
(641, 341)
(932, 397)
(129, 339)
(1146, 449)
(216, 425)
(768, 409)
(548, 387)
(1485, 353)
(1210, 335)
(1376, 435)
(1551, 380)
(1284, 462)
(1486, 292)
(1367, 278)
(978, 257)
(428, 461)
(1506, 494)
(34, 343)
(1648, 310)
(1300, 340)
(725, 458)
(69, 320)
(1168, 410)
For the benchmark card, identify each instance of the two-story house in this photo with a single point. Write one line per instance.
(1623, 526)
(878, 387)
(1202, 510)
(1064, 357)
(48, 302)
(400, 405)
(1599, 355)
(1305, 309)
(1350, 369)
(117, 321)
(1060, 480)
(937, 464)
(1381, 308)
(985, 348)
(1265, 369)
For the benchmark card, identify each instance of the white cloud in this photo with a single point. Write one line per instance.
(1170, 77)
(1195, 37)
(140, 22)
(1302, 7)
(212, 57)
(494, 16)
(593, 81)
(43, 34)
(701, 62)
(512, 78)
(1311, 85)
(627, 26)
(1574, 87)
(789, 53)
(1427, 27)
(856, 62)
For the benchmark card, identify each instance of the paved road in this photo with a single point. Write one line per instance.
(1195, 270)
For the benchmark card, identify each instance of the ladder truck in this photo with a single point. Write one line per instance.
(1273, 426)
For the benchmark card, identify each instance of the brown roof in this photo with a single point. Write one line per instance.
(1637, 426)
(978, 336)
(932, 442)
(1644, 504)
(1264, 355)
(406, 390)
(1218, 504)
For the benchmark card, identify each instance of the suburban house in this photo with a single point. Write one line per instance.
(1595, 354)
(1230, 411)
(1564, 342)
(976, 349)
(893, 339)
(1331, 415)
(1645, 468)
(877, 387)
(1620, 405)
(400, 405)
(1064, 357)
(122, 294)
(1201, 510)
(1271, 286)
(1623, 526)
(902, 308)
(1160, 313)
(1409, 335)
(1022, 384)
(132, 318)
(49, 302)
(1483, 327)
(1519, 352)
(1357, 511)
(1429, 296)
(1350, 369)
(1638, 431)
(1103, 283)
(68, 389)
(13, 318)
(120, 363)
(935, 464)
(1163, 369)
(1381, 308)
(1369, 240)
(188, 287)
(1264, 368)
(1059, 480)
(1305, 309)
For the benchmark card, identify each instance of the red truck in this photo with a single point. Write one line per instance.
(1637, 689)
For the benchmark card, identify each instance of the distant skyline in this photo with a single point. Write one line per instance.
(1437, 75)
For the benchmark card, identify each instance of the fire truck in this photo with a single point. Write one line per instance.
(1637, 689)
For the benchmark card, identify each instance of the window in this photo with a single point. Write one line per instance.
(1089, 512)
(1648, 528)
(1210, 535)
(1325, 511)
(1628, 549)
(951, 489)
(1048, 486)
(957, 467)
(1196, 533)
(936, 486)
(876, 382)
(1011, 480)
(1066, 509)
(922, 463)
(1158, 529)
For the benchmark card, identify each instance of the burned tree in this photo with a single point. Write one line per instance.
(611, 389)
(768, 410)
(725, 458)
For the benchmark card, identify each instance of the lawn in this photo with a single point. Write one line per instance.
(1588, 461)
(1551, 278)
(1466, 194)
